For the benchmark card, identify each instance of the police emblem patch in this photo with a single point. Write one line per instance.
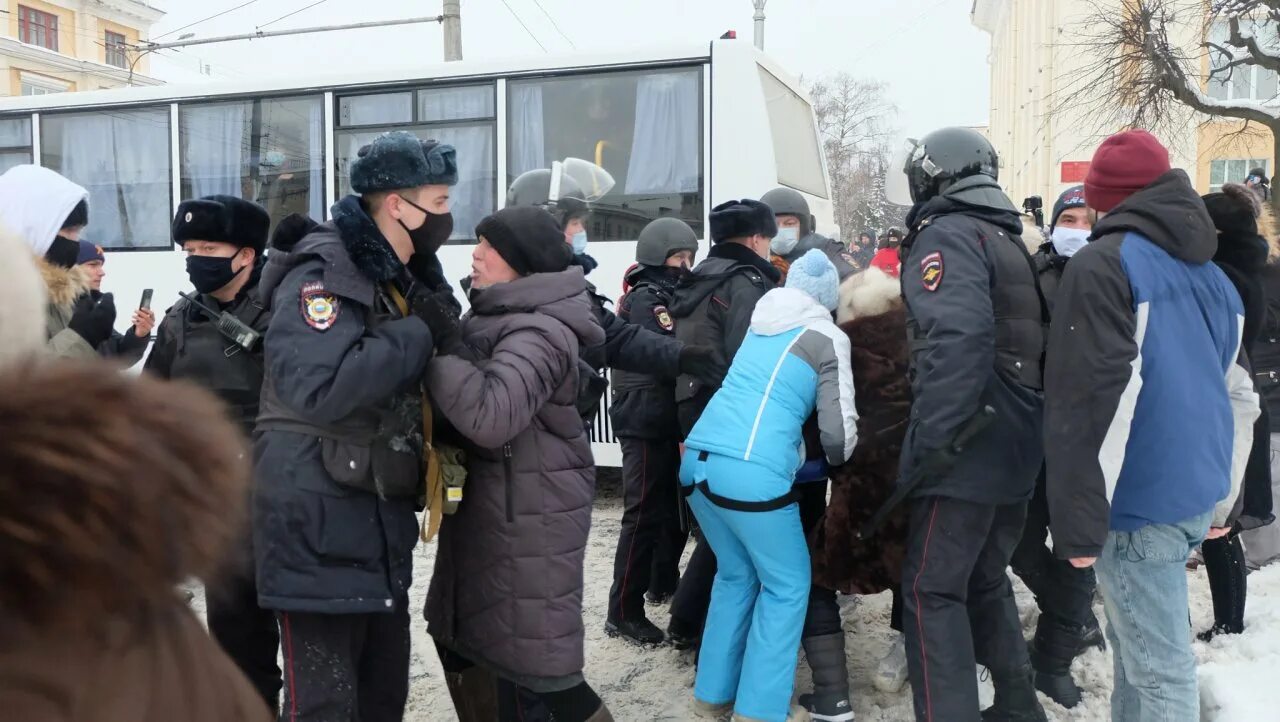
(319, 307)
(663, 318)
(931, 271)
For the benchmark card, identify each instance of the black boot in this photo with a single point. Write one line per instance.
(1055, 645)
(1224, 562)
(1091, 636)
(830, 699)
(639, 631)
(1016, 699)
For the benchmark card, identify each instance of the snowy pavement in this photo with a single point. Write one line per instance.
(1238, 675)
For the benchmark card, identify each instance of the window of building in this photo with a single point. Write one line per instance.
(796, 148)
(15, 142)
(269, 151)
(644, 128)
(122, 158)
(32, 84)
(1222, 172)
(116, 44)
(37, 28)
(1243, 82)
(460, 116)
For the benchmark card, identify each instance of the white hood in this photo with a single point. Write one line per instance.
(784, 309)
(35, 202)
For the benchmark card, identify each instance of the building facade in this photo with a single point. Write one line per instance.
(55, 46)
(1045, 143)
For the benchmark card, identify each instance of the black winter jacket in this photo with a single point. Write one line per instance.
(1049, 268)
(1266, 351)
(644, 404)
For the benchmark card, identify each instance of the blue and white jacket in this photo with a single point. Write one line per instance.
(794, 360)
(1149, 409)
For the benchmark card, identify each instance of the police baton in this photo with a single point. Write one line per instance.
(938, 462)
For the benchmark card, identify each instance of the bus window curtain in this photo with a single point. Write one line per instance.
(214, 140)
(473, 196)
(664, 147)
(527, 132)
(315, 142)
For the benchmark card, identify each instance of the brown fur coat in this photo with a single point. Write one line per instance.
(872, 315)
(113, 490)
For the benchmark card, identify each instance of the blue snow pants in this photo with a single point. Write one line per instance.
(759, 597)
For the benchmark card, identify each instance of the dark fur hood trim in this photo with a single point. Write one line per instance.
(113, 490)
(368, 248)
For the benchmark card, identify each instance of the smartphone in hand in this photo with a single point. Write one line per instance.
(146, 299)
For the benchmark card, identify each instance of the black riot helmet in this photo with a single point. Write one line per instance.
(662, 238)
(785, 201)
(534, 189)
(943, 157)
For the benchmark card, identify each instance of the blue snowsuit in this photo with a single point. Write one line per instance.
(740, 462)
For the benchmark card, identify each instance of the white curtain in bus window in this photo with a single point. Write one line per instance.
(267, 151)
(795, 140)
(664, 150)
(528, 151)
(15, 142)
(382, 109)
(466, 103)
(122, 158)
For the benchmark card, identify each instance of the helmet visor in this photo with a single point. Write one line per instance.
(897, 186)
(594, 181)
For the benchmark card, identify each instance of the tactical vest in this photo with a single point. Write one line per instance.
(204, 356)
(377, 449)
(624, 381)
(1021, 318)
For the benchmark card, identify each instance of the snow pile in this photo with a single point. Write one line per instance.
(1238, 672)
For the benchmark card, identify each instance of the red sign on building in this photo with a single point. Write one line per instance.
(1074, 171)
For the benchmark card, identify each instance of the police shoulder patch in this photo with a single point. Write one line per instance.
(319, 307)
(663, 317)
(931, 271)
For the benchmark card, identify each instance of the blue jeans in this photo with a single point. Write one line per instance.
(1143, 578)
(758, 601)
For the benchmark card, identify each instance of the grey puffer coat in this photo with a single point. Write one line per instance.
(507, 587)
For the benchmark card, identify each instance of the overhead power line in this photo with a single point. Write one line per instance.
(295, 12)
(555, 25)
(526, 27)
(211, 17)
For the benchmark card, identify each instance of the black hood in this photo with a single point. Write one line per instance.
(977, 196)
(1247, 253)
(665, 277)
(721, 263)
(1171, 214)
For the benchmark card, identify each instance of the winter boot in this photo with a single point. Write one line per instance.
(707, 711)
(657, 599)
(1052, 650)
(680, 640)
(891, 675)
(1016, 699)
(830, 699)
(637, 631)
(1091, 636)
(601, 715)
(1228, 585)
(474, 693)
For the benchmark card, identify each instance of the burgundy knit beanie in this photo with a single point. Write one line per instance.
(1124, 164)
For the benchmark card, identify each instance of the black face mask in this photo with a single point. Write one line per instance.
(428, 237)
(63, 252)
(210, 273)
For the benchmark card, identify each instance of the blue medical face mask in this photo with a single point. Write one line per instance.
(1068, 241)
(785, 242)
(579, 243)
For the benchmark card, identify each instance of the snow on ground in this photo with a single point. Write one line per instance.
(1237, 674)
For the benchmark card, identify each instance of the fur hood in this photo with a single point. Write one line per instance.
(113, 490)
(22, 300)
(62, 285)
(1269, 232)
(869, 293)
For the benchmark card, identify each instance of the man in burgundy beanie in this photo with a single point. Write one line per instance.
(1149, 414)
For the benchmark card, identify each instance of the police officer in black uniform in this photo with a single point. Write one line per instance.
(224, 238)
(644, 420)
(798, 233)
(359, 305)
(976, 323)
(713, 307)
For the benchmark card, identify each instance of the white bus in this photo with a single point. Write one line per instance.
(680, 129)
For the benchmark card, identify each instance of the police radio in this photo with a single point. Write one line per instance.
(233, 328)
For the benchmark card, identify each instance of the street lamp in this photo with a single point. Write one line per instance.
(759, 18)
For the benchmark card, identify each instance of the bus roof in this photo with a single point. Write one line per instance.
(455, 71)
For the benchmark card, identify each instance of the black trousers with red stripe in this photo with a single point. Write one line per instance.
(345, 667)
(958, 606)
(651, 541)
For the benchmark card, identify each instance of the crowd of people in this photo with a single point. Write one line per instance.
(917, 417)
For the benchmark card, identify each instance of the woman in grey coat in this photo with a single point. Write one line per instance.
(506, 595)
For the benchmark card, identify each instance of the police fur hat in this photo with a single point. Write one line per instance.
(741, 219)
(399, 160)
(225, 219)
(663, 238)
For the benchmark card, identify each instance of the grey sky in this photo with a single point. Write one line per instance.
(932, 58)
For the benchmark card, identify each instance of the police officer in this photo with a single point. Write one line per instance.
(341, 430)
(797, 232)
(1066, 626)
(627, 346)
(224, 238)
(976, 325)
(644, 420)
(713, 307)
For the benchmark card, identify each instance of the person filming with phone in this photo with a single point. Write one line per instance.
(214, 339)
(127, 347)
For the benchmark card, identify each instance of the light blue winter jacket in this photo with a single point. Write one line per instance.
(793, 360)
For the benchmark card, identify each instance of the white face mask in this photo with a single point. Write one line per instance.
(1068, 241)
(785, 242)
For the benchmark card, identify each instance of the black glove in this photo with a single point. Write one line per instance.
(703, 363)
(436, 312)
(93, 317)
